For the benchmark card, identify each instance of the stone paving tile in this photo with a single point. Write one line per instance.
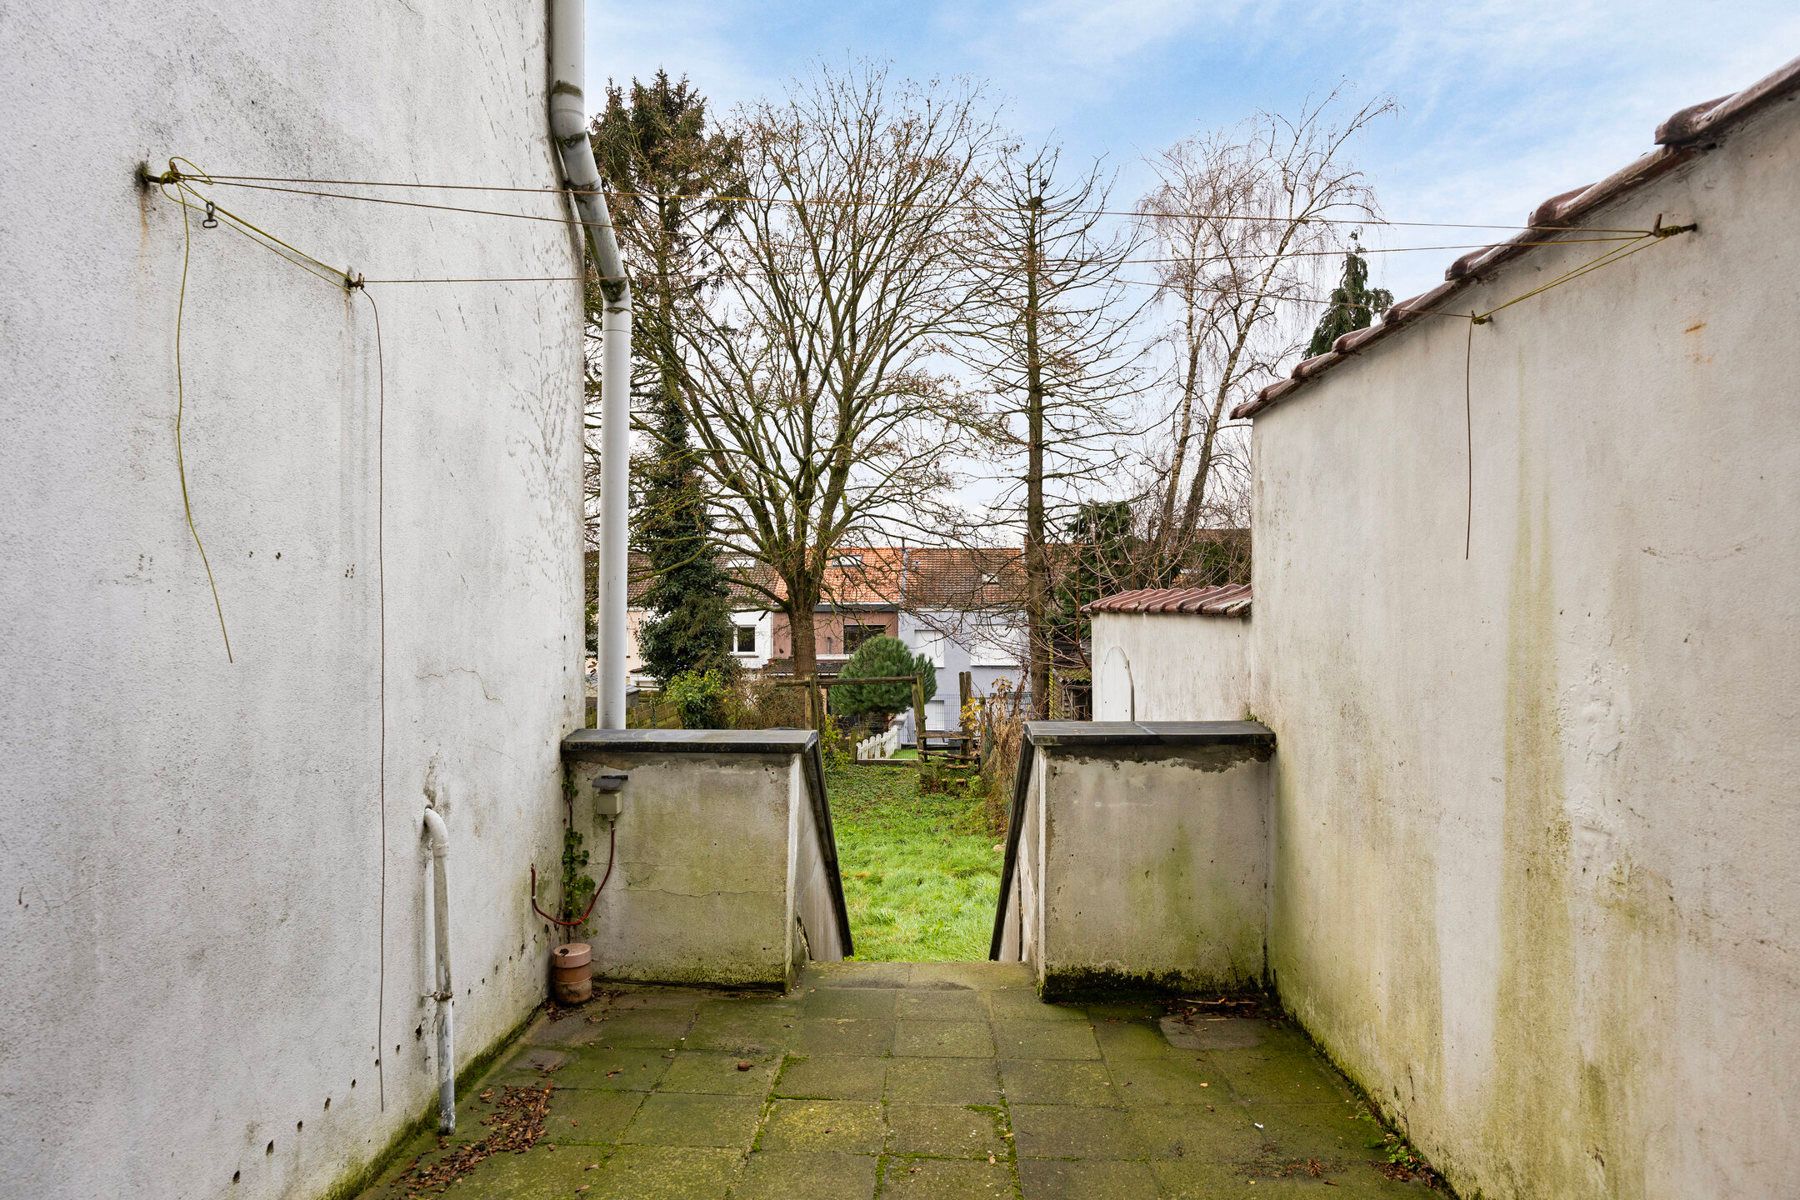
(917, 1082)
(946, 1004)
(1303, 1131)
(678, 1119)
(1048, 1179)
(943, 1039)
(1290, 1075)
(747, 1031)
(939, 1179)
(848, 1002)
(1042, 1039)
(1189, 1131)
(974, 976)
(540, 1175)
(1119, 1039)
(845, 1126)
(630, 1070)
(832, 1077)
(943, 1081)
(659, 1028)
(719, 1074)
(945, 1130)
(831, 1035)
(784, 1175)
(1167, 1080)
(1071, 1131)
(1033, 1081)
(860, 975)
(662, 1173)
(1024, 1005)
(588, 1116)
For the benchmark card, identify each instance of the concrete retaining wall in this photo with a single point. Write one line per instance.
(725, 872)
(1140, 857)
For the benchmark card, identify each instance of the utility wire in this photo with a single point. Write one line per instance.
(187, 504)
(1610, 235)
(854, 201)
(381, 708)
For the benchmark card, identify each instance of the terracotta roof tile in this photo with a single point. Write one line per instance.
(1684, 135)
(1226, 600)
(965, 579)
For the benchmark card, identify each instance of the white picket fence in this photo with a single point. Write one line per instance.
(882, 745)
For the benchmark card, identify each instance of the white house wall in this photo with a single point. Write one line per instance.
(1170, 667)
(951, 639)
(1536, 879)
(193, 850)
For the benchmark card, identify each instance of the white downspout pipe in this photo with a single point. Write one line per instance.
(437, 961)
(569, 126)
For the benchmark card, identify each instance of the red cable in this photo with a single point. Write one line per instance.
(612, 847)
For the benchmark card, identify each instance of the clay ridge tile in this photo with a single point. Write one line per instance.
(1224, 600)
(1676, 140)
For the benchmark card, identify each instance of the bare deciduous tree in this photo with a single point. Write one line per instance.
(817, 409)
(1243, 220)
(1050, 340)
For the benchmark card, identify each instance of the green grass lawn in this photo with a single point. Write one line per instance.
(920, 872)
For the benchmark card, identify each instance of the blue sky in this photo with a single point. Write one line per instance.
(1501, 104)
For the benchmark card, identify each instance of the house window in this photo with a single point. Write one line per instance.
(848, 560)
(856, 635)
(744, 639)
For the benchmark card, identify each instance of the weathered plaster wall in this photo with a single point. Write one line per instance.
(718, 878)
(192, 850)
(1170, 667)
(1537, 877)
(1154, 869)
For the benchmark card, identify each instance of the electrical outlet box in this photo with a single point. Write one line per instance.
(609, 793)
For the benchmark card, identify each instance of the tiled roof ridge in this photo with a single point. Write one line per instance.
(1222, 600)
(1680, 138)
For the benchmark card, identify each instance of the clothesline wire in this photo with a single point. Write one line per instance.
(1603, 235)
(253, 180)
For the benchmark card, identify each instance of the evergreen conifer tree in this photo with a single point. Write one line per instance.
(656, 151)
(1354, 304)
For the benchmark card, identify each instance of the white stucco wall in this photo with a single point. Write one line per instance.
(1170, 667)
(192, 850)
(1537, 875)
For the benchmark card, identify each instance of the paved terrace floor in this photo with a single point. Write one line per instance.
(911, 1082)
